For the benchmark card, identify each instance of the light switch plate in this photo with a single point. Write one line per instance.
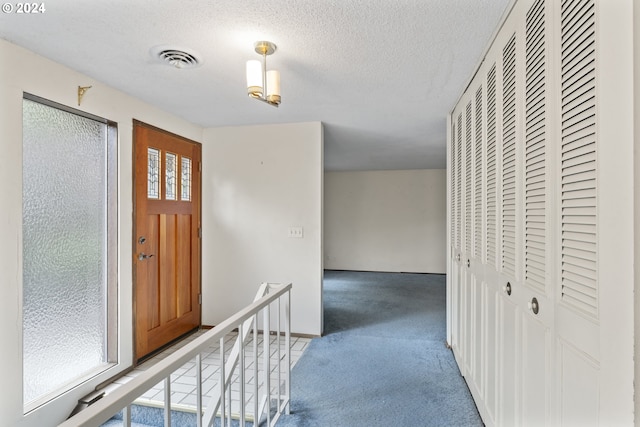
(296, 232)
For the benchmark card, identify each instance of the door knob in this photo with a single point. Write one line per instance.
(468, 263)
(534, 306)
(142, 256)
(507, 288)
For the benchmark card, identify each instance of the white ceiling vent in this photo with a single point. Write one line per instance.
(176, 57)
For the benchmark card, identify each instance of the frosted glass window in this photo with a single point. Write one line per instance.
(171, 178)
(185, 184)
(153, 173)
(68, 259)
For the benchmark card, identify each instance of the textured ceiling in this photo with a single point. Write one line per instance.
(380, 74)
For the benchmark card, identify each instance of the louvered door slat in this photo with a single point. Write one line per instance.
(580, 138)
(579, 245)
(578, 99)
(579, 157)
(578, 65)
(468, 213)
(577, 172)
(576, 153)
(573, 14)
(509, 158)
(577, 220)
(536, 185)
(577, 118)
(536, 155)
(458, 160)
(572, 32)
(578, 187)
(454, 154)
(535, 146)
(578, 82)
(478, 191)
(491, 207)
(578, 48)
(584, 228)
(536, 112)
(576, 267)
(580, 254)
(574, 202)
(537, 246)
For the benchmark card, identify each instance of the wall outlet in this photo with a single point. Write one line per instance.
(296, 232)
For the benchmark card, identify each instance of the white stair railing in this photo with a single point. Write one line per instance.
(217, 401)
(246, 321)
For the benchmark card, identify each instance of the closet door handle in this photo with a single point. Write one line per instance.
(534, 306)
(507, 288)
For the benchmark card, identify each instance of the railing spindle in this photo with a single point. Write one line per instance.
(126, 416)
(267, 358)
(241, 374)
(228, 386)
(199, 390)
(256, 418)
(222, 390)
(287, 328)
(279, 357)
(167, 401)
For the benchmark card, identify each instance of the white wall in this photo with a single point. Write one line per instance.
(22, 71)
(257, 182)
(386, 221)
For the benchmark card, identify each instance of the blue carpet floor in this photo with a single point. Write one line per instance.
(145, 416)
(383, 359)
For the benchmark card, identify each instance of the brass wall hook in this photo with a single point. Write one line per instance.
(81, 92)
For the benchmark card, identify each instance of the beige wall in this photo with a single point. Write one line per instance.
(257, 182)
(386, 221)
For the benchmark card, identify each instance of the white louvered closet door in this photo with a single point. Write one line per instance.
(471, 290)
(507, 308)
(478, 290)
(458, 298)
(490, 364)
(454, 279)
(467, 289)
(578, 312)
(537, 291)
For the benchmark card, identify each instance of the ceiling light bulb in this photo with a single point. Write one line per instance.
(254, 78)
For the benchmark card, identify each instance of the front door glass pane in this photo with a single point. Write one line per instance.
(171, 175)
(153, 173)
(185, 185)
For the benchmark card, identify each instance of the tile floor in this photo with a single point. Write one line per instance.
(183, 380)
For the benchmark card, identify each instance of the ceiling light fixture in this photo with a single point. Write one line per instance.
(263, 85)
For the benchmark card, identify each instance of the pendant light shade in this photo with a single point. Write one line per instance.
(254, 78)
(273, 86)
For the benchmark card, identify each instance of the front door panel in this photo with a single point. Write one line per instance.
(167, 244)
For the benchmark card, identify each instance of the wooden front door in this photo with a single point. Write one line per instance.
(166, 237)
